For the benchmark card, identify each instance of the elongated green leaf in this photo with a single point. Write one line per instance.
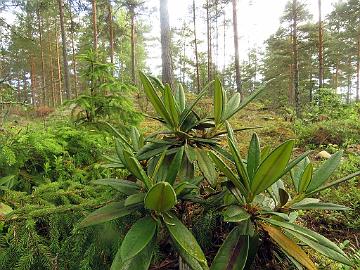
(233, 253)
(328, 252)
(154, 98)
(6, 179)
(240, 167)
(158, 84)
(305, 178)
(298, 171)
(138, 237)
(184, 186)
(134, 199)
(310, 203)
(219, 100)
(228, 172)
(155, 174)
(235, 130)
(119, 147)
(133, 165)
(189, 109)
(184, 238)
(271, 168)
(139, 262)
(206, 166)
(117, 134)
(289, 246)
(180, 98)
(254, 156)
(169, 102)
(253, 250)
(235, 213)
(249, 99)
(150, 150)
(324, 171)
(135, 137)
(175, 166)
(161, 197)
(190, 261)
(124, 186)
(314, 236)
(334, 183)
(231, 106)
(265, 152)
(106, 213)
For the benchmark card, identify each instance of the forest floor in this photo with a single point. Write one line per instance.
(272, 129)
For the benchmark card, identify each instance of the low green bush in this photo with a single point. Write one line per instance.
(58, 152)
(340, 132)
(39, 233)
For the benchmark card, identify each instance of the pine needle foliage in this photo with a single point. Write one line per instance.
(40, 234)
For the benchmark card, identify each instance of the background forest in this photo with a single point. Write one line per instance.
(74, 101)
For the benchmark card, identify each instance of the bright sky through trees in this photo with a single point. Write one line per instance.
(257, 20)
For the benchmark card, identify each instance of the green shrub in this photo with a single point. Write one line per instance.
(340, 132)
(55, 153)
(104, 95)
(39, 234)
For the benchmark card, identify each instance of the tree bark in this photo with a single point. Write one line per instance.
(60, 91)
(236, 45)
(74, 65)
(295, 59)
(94, 22)
(32, 80)
(111, 32)
(224, 41)
(358, 69)
(209, 47)
(67, 87)
(167, 72)
(132, 37)
(321, 47)
(43, 77)
(196, 50)
(25, 90)
(52, 79)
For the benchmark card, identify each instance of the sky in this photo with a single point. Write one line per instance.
(257, 20)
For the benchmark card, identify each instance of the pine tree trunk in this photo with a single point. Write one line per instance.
(337, 73)
(18, 90)
(60, 96)
(321, 46)
(291, 85)
(111, 32)
(196, 50)
(33, 80)
(310, 88)
(64, 51)
(167, 72)
(43, 78)
(348, 92)
(52, 79)
(224, 41)
(25, 90)
(358, 69)
(132, 37)
(74, 65)
(94, 22)
(295, 59)
(216, 58)
(236, 45)
(208, 32)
